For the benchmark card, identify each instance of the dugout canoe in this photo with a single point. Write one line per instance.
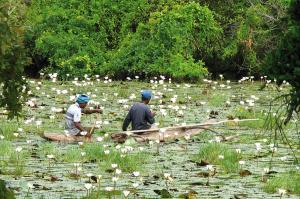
(139, 136)
(61, 137)
(162, 134)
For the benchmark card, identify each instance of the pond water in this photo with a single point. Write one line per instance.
(174, 104)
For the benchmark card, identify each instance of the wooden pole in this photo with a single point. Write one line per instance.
(190, 126)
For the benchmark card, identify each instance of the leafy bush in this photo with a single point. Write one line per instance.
(126, 38)
(283, 63)
(12, 56)
(167, 43)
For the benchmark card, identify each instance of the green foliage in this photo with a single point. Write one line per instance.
(12, 56)
(288, 181)
(5, 193)
(167, 44)
(210, 153)
(6, 149)
(175, 38)
(121, 38)
(250, 31)
(8, 129)
(48, 149)
(71, 155)
(283, 63)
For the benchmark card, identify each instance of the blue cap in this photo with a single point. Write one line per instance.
(146, 94)
(81, 99)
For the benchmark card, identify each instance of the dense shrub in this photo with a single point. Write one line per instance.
(283, 64)
(167, 43)
(147, 38)
(12, 56)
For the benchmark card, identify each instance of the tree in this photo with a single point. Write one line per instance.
(283, 64)
(12, 56)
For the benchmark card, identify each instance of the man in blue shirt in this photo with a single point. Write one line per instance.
(139, 114)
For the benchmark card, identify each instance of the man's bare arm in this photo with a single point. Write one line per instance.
(79, 126)
(85, 111)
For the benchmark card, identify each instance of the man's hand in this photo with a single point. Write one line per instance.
(153, 114)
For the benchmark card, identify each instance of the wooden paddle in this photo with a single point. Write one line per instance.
(190, 126)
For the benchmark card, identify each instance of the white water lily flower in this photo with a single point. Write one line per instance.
(210, 167)
(242, 162)
(126, 193)
(115, 179)
(30, 186)
(19, 149)
(109, 189)
(99, 139)
(221, 157)
(76, 164)
(89, 175)
(16, 134)
(80, 143)
(238, 150)
(258, 146)
(1, 137)
(136, 174)
(166, 175)
(141, 148)
(135, 185)
(282, 191)
(83, 153)
(284, 158)
(266, 170)
(88, 186)
(99, 177)
(50, 156)
(114, 166)
(118, 171)
(218, 139)
(38, 123)
(265, 140)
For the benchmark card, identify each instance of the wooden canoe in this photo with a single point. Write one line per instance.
(173, 133)
(58, 137)
(162, 134)
(169, 134)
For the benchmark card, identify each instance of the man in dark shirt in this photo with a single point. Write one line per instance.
(139, 114)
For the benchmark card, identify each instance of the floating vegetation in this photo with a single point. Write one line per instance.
(223, 156)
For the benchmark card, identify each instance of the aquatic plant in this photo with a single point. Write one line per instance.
(288, 181)
(210, 153)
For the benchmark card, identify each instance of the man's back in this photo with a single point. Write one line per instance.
(139, 115)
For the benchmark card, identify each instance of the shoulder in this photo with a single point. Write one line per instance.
(74, 108)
